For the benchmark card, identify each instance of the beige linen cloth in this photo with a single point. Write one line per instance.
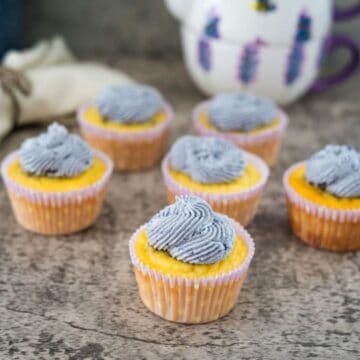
(46, 81)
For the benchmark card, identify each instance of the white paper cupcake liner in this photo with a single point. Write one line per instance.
(58, 198)
(148, 134)
(190, 300)
(322, 212)
(242, 139)
(180, 189)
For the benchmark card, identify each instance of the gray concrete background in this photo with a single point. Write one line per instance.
(114, 28)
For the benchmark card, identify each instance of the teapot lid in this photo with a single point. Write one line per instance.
(278, 22)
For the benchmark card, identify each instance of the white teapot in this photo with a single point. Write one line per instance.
(267, 47)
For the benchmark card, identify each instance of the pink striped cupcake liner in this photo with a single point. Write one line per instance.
(190, 300)
(130, 151)
(241, 205)
(321, 226)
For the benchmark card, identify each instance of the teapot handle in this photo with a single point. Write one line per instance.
(346, 13)
(335, 42)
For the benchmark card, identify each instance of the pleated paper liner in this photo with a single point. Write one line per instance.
(56, 213)
(241, 206)
(320, 226)
(265, 144)
(129, 151)
(190, 301)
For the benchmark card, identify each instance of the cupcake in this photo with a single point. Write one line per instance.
(190, 262)
(323, 195)
(55, 182)
(231, 180)
(128, 123)
(251, 122)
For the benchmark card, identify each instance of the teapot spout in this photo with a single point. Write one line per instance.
(179, 8)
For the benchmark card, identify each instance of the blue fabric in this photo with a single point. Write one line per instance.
(10, 24)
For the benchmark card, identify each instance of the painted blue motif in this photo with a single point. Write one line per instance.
(304, 28)
(296, 56)
(249, 61)
(204, 54)
(211, 31)
(212, 27)
(295, 61)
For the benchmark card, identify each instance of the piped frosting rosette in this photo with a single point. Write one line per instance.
(190, 231)
(240, 112)
(129, 106)
(202, 161)
(191, 299)
(132, 104)
(264, 142)
(335, 170)
(56, 154)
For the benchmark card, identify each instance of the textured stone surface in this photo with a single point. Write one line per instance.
(75, 297)
(108, 27)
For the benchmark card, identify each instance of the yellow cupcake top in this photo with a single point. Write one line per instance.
(212, 165)
(250, 177)
(301, 186)
(89, 177)
(93, 117)
(187, 239)
(161, 261)
(204, 121)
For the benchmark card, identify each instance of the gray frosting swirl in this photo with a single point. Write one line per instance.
(207, 160)
(129, 104)
(190, 231)
(336, 169)
(240, 112)
(55, 153)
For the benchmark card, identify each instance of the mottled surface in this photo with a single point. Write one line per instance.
(107, 27)
(75, 297)
(117, 27)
